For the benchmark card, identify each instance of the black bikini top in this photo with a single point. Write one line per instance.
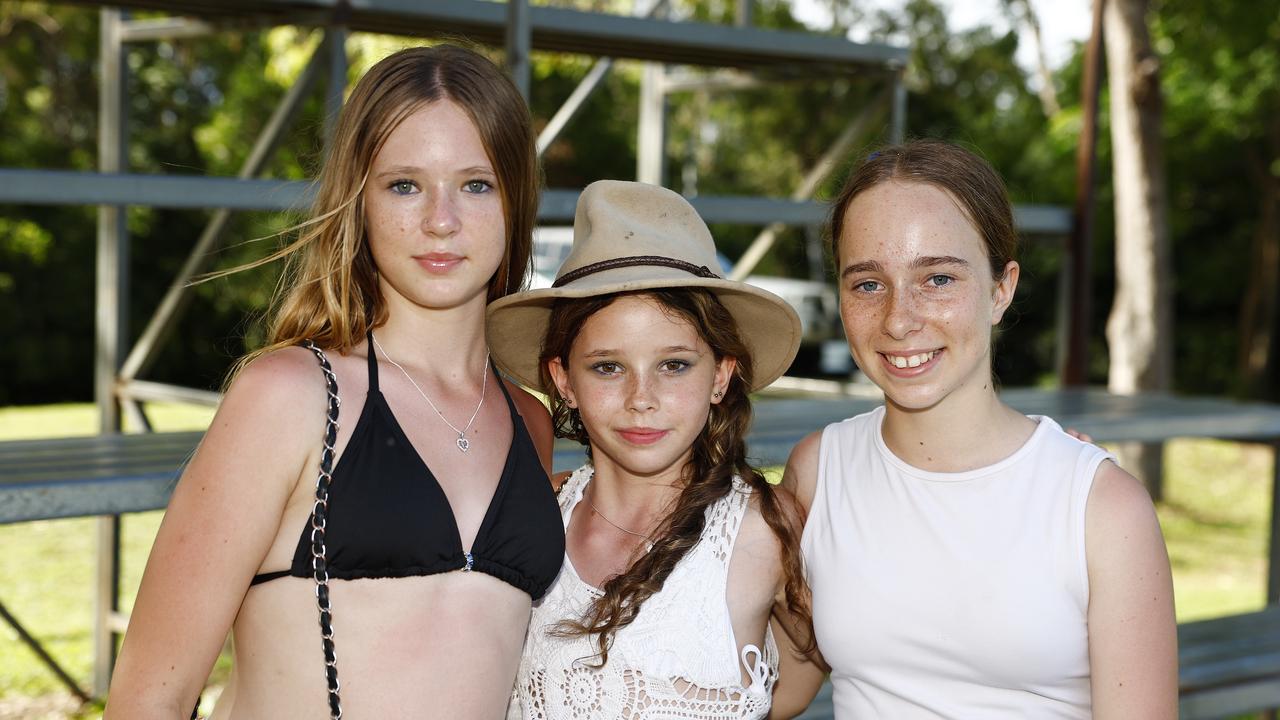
(388, 516)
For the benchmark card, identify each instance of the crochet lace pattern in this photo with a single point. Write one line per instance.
(677, 661)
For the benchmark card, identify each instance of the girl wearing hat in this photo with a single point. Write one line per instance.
(966, 560)
(678, 551)
(394, 540)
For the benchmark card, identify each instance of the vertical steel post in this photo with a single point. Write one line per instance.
(898, 121)
(651, 137)
(1273, 549)
(335, 41)
(744, 18)
(1075, 370)
(111, 314)
(519, 45)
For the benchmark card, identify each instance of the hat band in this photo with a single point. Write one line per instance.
(585, 270)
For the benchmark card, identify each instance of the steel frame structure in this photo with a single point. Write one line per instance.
(514, 25)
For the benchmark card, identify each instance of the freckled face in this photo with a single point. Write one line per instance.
(917, 297)
(433, 212)
(643, 380)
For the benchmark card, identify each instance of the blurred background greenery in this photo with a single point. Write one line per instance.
(197, 104)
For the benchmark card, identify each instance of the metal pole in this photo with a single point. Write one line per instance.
(898, 124)
(43, 655)
(1075, 369)
(574, 102)
(161, 325)
(651, 138)
(1273, 561)
(743, 18)
(335, 42)
(519, 44)
(111, 314)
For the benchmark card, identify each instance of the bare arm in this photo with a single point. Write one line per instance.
(799, 676)
(222, 519)
(1133, 651)
(800, 476)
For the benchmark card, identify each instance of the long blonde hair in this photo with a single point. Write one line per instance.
(329, 290)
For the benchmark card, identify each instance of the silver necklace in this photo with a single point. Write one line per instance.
(463, 443)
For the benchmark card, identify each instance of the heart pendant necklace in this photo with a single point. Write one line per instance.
(463, 443)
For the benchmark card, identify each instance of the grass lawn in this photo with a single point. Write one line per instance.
(1214, 518)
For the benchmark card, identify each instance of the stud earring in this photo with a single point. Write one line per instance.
(717, 394)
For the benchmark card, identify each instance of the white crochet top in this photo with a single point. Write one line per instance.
(678, 660)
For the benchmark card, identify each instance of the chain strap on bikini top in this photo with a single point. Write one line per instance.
(319, 514)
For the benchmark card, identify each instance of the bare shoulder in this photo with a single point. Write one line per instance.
(758, 547)
(531, 409)
(759, 535)
(1123, 542)
(281, 372)
(272, 398)
(1117, 501)
(755, 533)
(536, 419)
(800, 477)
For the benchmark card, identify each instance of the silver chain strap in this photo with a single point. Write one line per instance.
(319, 515)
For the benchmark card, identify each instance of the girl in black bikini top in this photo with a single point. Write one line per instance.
(388, 516)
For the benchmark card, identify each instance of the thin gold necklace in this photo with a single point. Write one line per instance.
(616, 525)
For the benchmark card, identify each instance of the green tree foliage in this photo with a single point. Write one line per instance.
(1221, 78)
(47, 119)
(197, 105)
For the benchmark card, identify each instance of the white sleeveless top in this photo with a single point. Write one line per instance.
(951, 595)
(677, 660)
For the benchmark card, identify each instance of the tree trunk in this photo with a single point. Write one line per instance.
(1140, 328)
(1048, 94)
(1259, 311)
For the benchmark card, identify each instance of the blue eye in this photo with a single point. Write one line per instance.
(403, 187)
(941, 280)
(478, 186)
(866, 286)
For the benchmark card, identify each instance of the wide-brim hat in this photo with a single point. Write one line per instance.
(630, 236)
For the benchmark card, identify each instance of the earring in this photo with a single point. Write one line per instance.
(717, 394)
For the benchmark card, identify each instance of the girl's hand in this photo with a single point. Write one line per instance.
(1082, 437)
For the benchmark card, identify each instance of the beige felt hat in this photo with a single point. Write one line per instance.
(631, 236)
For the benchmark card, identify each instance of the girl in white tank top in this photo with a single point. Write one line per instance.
(677, 551)
(966, 561)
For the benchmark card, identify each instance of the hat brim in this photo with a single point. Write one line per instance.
(516, 325)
